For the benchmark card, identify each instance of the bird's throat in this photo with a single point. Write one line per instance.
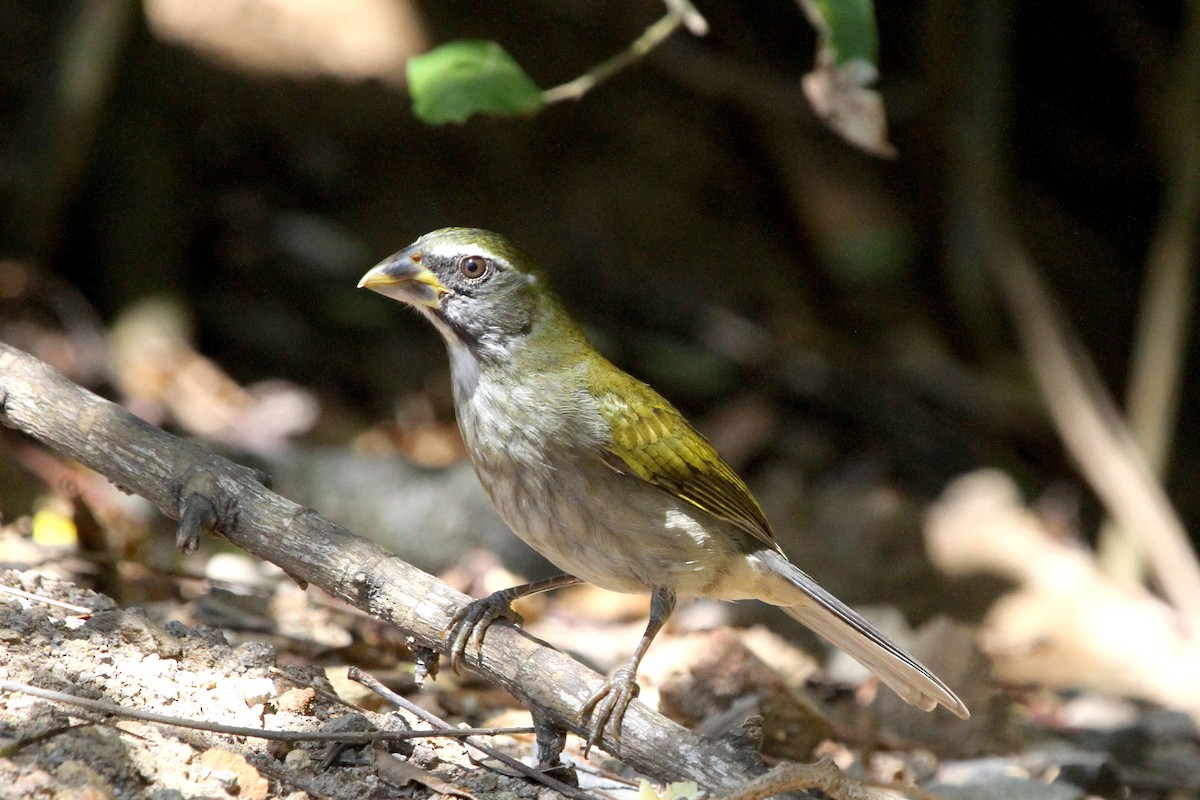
(465, 369)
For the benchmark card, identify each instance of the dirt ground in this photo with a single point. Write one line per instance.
(91, 648)
(285, 671)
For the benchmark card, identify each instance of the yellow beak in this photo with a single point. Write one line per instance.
(401, 277)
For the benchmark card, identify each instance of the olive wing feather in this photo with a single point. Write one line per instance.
(652, 441)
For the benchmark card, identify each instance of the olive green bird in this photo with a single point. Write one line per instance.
(599, 473)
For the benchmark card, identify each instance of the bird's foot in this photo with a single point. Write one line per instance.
(608, 704)
(471, 622)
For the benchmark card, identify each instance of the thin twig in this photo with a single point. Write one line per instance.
(11, 749)
(695, 22)
(651, 38)
(367, 680)
(356, 674)
(111, 710)
(36, 598)
(823, 776)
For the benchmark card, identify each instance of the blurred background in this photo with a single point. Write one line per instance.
(189, 192)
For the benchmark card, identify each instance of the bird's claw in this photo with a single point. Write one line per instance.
(471, 622)
(608, 704)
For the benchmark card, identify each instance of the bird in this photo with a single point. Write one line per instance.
(599, 473)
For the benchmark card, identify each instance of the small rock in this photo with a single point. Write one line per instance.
(235, 774)
(298, 760)
(84, 782)
(254, 655)
(257, 691)
(141, 632)
(297, 701)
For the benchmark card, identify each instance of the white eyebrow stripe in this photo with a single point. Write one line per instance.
(447, 250)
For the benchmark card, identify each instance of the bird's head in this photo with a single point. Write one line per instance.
(477, 288)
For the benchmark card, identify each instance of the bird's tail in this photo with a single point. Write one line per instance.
(842, 626)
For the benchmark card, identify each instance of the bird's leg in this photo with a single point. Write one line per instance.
(607, 705)
(471, 621)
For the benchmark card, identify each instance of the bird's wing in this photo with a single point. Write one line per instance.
(652, 441)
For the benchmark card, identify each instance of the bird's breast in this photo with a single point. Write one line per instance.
(542, 466)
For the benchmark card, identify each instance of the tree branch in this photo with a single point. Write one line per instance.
(175, 475)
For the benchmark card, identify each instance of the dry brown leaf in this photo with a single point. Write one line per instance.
(1067, 625)
(400, 772)
(702, 677)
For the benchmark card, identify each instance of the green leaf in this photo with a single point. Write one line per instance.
(847, 28)
(844, 70)
(457, 80)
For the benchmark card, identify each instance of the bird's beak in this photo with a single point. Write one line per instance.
(401, 277)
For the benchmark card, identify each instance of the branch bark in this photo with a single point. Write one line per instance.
(180, 477)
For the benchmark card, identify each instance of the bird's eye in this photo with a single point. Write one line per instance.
(473, 267)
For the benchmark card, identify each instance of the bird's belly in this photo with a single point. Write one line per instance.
(612, 530)
(609, 530)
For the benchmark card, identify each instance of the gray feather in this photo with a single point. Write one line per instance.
(842, 626)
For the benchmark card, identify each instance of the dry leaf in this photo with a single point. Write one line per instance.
(1067, 625)
(400, 773)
